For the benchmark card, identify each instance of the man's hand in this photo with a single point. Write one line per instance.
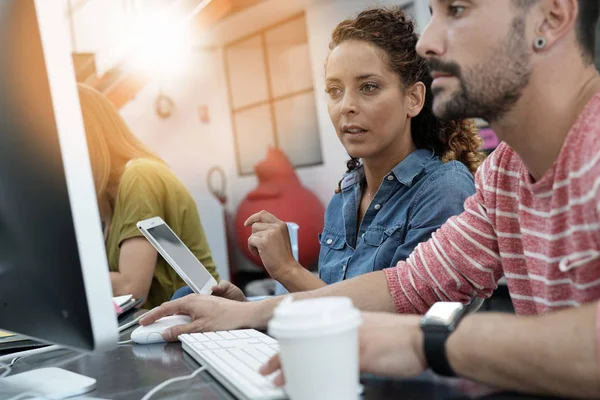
(228, 290)
(389, 345)
(270, 240)
(208, 313)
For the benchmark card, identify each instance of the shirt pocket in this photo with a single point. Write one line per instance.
(333, 256)
(382, 243)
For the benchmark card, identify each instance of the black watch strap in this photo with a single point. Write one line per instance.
(434, 341)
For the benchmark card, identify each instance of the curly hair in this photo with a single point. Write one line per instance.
(390, 30)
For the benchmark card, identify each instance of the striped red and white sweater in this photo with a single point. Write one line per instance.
(543, 236)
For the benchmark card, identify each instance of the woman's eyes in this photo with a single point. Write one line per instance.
(369, 87)
(365, 88)
(333, 91)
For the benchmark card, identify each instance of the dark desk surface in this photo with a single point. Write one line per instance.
(130, 371)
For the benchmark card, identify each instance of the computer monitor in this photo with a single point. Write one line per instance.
(54, 279)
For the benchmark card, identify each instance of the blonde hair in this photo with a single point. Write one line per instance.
(111, 143)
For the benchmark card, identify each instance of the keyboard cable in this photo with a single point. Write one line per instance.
(172, 380)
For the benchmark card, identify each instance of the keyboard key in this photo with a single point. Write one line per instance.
(239, 342)
(212, 336)
(268, 340)
(254, 341)
(266, 350)
(250, 361)
(198, 346)
(185, 335)
(240, 334)
(211, 345)
(225, 344)
(225, 335)
(248, 373)
(259, 356)
(252, 333)
(216, 361)
(199, 337)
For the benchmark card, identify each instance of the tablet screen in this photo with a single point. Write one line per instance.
(183, 257)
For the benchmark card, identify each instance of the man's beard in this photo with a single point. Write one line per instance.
(491, 89)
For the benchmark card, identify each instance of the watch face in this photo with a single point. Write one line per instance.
(443, 314)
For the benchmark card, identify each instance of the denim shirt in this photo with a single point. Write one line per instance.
(413, 201)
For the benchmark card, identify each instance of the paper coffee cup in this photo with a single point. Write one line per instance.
(318, 340)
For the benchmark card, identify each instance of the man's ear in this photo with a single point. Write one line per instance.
(557, 19)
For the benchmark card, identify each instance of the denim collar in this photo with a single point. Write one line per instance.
(405, 172)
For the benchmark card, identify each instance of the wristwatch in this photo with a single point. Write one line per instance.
(437, 325)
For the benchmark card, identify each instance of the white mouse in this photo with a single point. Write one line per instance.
(153, 333)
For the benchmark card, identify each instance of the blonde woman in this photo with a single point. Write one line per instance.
(133, 184)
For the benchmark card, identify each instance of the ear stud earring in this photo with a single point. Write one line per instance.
(540, 43)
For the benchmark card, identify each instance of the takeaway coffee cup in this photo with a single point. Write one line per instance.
(318, 341)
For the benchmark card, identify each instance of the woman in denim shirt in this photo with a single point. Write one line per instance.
(415, 171)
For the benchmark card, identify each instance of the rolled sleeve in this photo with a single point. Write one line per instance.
(403, 306)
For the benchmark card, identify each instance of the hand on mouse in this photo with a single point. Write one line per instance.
(208, 313)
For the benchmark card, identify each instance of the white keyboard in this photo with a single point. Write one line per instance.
(233, 358)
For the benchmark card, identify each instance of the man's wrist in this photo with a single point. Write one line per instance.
(418, 345)
(454, 353)
(259, 313)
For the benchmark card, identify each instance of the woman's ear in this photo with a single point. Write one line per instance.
(415, 97)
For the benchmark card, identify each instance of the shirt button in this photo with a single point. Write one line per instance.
(390, 177)
(363, 235)
(329, 241)
(344, 268)
(377, 206)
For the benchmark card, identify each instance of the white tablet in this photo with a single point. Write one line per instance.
(177, 254)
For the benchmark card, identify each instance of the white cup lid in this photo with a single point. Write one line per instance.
(314, 317)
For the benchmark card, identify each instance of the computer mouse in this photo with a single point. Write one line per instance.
(153, 333)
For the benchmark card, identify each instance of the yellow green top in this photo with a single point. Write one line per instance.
(150, 189)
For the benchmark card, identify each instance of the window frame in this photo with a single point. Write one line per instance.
(271, 99)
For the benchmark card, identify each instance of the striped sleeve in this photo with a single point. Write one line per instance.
(459, 262)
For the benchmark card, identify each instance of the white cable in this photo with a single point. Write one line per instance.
(125, 342)
(172, 380)
(8, 369)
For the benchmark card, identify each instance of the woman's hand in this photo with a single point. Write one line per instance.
(228, 290)
(270, 240)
